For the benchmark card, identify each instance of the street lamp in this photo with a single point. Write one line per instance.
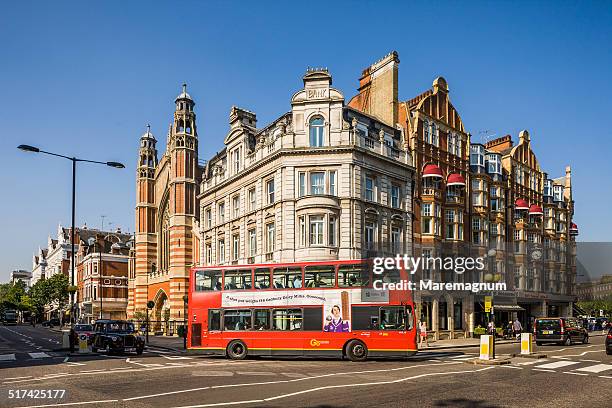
(74, 160)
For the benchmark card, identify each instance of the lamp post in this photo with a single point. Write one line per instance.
(150, 305)
(185, 301)
(74, 160)
(100, 276)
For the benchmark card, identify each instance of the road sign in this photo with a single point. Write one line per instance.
(488, 303)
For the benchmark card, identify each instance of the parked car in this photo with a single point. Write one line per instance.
(609, 342)
(78, 330)
(116, 336)
(51, 322)
(561, 330)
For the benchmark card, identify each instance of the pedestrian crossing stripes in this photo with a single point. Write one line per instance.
(557, 364)
(39, 355)
(598, 368)
(24, 356)
(7, 357)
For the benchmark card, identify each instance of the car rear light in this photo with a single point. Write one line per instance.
(610, 336)
(562, 327)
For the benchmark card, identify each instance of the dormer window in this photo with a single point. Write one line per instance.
(317, 131)
(236, 160)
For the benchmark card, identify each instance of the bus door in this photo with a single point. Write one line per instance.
(395, 322)
(211, 333)
(261, 336)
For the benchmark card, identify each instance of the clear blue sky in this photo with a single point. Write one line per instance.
(84, 78)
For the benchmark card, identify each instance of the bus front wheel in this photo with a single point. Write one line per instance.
(237, 350)
(356, 351)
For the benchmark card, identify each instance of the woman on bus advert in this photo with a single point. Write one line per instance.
(334, 321)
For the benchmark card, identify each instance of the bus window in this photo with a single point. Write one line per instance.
(261, 319)
(237, 320)
(207, 280)
(287, 319)
(238, 279)
(319, 276)
(353, 275)
(262, 278)
(392, 318)
(313, 318)
(214, 320)
(287, 278)
(365, 317)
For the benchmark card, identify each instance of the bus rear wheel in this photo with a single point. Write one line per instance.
(237, 350)
(356, 351)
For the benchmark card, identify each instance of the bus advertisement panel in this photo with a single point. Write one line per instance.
(311, 308)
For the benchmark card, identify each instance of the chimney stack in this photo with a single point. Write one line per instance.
(378, 95)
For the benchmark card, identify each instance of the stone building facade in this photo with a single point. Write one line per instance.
(321, 182)
(166, 238)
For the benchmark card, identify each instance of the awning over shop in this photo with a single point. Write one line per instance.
(507, 308)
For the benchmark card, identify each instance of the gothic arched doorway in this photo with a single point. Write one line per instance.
(160, 312)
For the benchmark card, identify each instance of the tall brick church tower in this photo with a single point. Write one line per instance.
(166, 246)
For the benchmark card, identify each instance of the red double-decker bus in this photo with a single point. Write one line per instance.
(297, 309)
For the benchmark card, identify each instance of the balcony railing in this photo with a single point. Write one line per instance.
(430, 191)
(455, 200)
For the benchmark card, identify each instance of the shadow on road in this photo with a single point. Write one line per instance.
(465, 403)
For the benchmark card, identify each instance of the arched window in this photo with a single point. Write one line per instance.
(426, 132)
(317, 129)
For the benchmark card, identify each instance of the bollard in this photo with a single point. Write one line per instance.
(486, 347)
(84, 344)
(526, 343)
(65, 339)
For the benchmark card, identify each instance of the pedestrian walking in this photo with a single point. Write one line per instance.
(423, 334)
(517, 327)
(491, 328)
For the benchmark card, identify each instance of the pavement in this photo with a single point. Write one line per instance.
(431, 378)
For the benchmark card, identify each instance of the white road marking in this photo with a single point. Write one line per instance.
(531, 362)
(571, 348)
(18, 378)
(570, 372)
(598, 368)
(329, 387)
(583, 353)
(92, 371)
(510, 366)
(590, 361)
(546, 371)
(7, 357)
(294, 375)
(605, 376)
(176, 357)
(292, 380)
(72, 363)
(558, 364)
(39, 355)
(211, 373)
(255, 373)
